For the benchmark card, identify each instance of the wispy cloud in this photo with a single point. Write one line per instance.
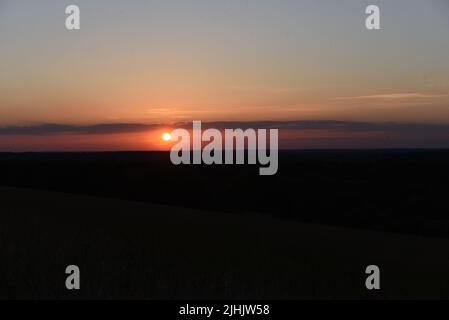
(392, 96)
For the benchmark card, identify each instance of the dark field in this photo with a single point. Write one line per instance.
(403, 191)
(148, 229)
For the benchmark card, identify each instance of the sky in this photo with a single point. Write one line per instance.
(174, 61)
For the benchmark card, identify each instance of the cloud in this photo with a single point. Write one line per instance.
(62, 128)
(392, 96)
(319, 134)
(342, 126)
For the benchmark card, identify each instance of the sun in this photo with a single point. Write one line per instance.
(166, 136)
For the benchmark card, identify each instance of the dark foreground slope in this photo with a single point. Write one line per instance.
(137, 250)
(387, 190)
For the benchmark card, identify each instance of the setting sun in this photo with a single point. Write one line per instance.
(166, 136)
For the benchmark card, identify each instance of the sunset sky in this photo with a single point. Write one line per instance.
(165, 62)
